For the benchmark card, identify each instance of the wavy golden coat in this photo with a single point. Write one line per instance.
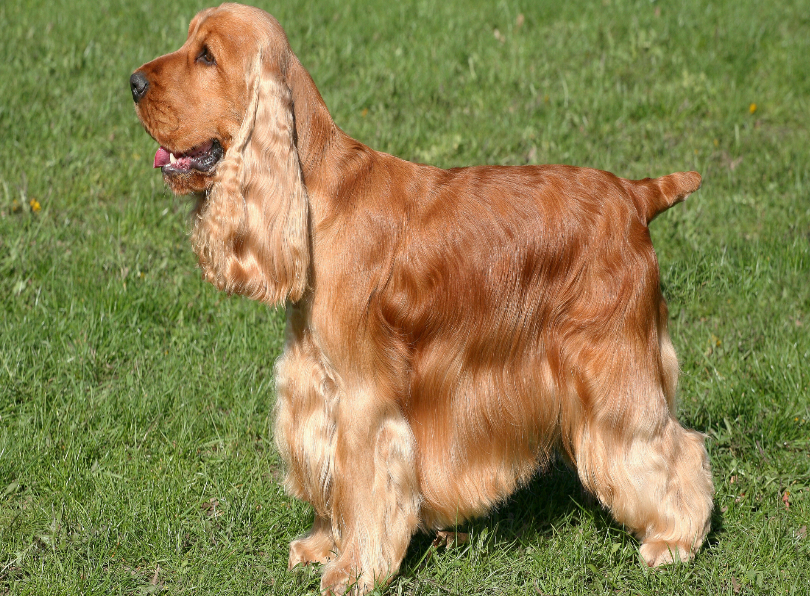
(447, 330)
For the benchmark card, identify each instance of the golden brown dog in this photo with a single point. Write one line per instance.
(447, 330)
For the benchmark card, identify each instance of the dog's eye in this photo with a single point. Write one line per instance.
(206, 57)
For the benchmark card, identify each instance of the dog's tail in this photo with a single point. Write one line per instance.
(653, 196)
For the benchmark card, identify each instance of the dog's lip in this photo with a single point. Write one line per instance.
(201, 157)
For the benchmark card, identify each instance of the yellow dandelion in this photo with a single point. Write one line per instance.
(752, 108)
(35, 207)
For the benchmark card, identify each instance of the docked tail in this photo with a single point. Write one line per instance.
(653, 196)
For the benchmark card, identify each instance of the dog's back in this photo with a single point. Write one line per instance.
(520, 294)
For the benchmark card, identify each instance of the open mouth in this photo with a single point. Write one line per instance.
(202, 158)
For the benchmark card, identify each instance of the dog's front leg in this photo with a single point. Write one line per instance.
(317, 546)
(375, 494)
(305, 437)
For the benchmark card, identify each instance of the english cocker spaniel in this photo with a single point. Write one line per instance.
(448, 331)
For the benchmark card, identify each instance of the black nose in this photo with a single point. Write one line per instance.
(139, 85)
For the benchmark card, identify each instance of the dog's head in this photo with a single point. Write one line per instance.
(220, 108)
(194, 101)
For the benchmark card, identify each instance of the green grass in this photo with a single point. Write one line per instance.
(135, 401)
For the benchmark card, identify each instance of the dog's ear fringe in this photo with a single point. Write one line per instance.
(252, 232)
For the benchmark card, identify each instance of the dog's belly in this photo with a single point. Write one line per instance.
(480, 431)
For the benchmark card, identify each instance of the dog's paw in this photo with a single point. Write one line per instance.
(311, 549)
(340, 578)
(657, 553)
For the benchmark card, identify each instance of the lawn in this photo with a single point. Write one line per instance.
(136, 453)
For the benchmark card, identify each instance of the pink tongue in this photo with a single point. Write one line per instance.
(161, 158)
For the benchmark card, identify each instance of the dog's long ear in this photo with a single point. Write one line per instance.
(252, 231)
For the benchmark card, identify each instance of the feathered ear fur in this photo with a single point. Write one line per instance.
(252, 231)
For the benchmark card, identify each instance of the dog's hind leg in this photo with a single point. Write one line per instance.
(659, 487)
(651, 473)
(375, 498)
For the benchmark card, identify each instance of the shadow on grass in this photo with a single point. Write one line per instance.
(546, 504)
(551, 503)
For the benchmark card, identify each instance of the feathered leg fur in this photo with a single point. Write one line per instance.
(352, 460)
(651, 473)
